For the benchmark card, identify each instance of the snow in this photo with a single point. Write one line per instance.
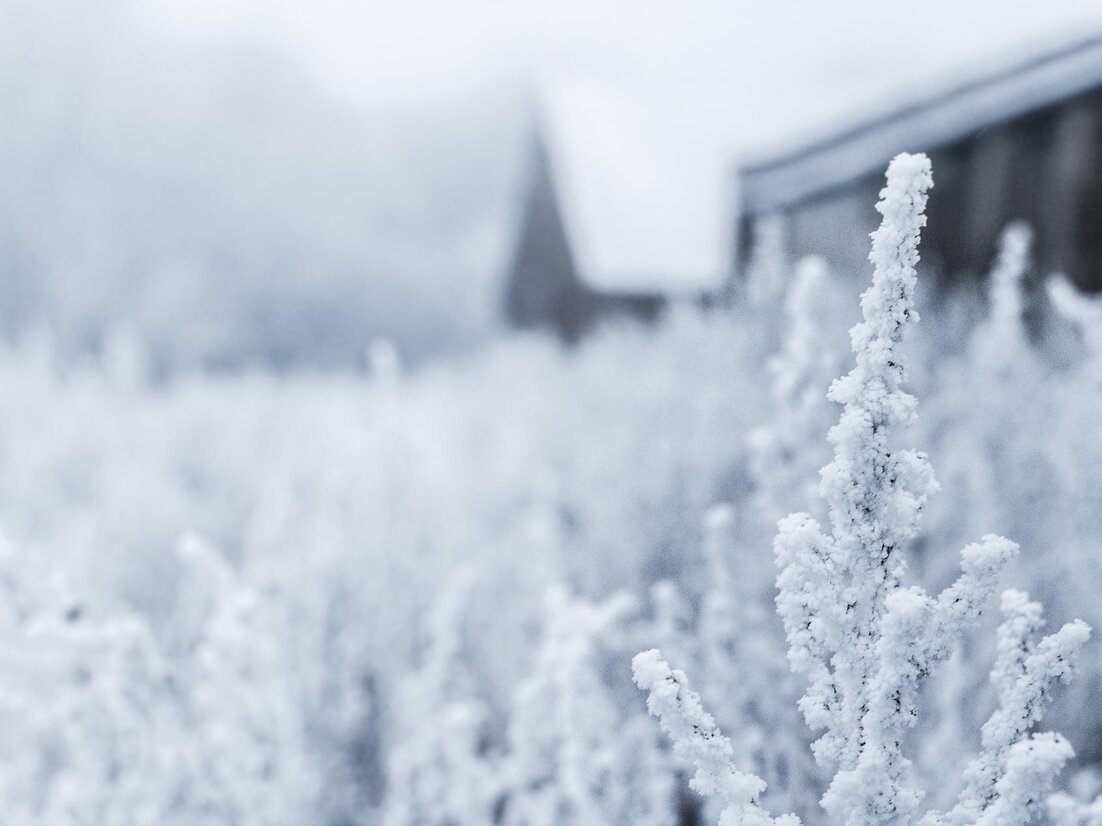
(362, 615)
(640, 214)
(274, 599)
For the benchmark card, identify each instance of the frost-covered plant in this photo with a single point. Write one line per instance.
(767, 269)
(723, 629)
(1003, 339)
(572, 759)
(439, 770)
(105, 722)
(1011, 423)
(699, 743)
(1068, 403)
(240, 693)
(786, 453)
(349, 503)
(1066, 810)
(834, 589)
(1013, 771)
(743, 674)
(1085, 312)
(864, 641)
(384, 363)
(91, 734)
(670, 626)
(989, 417)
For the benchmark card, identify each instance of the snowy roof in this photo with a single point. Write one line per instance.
(956, 110)
(642, 215)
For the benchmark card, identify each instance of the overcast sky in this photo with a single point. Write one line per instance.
(778, 64)
(713, 79)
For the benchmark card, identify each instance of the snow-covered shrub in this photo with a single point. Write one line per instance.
(988, 400)
(1009, 777)
(743, 673)
(1011, 424)
(767, 270)
(572, 756)
(1066, 810)
(91, 732)
(441, 772)
(251, 762)
(347, 505)
(1083, 311)
(698, 742)
(786, 453)
(865, 642)
(671, 626)
(108, 722)
(349, 502)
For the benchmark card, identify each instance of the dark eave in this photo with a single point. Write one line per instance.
(774, 182)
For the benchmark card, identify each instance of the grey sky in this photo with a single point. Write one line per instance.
(779, 65)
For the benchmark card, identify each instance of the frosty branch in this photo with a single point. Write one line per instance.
(865, 642)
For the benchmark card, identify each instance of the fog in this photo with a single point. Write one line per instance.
(282, 183)
(402, 405)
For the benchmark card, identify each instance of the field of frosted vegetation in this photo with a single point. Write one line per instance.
(414, 598)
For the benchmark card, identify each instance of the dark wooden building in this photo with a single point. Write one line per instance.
(544, 288)
(1023, 142)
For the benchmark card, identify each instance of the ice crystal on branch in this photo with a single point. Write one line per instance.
(573, 759)
(1023, 675)
(698, 741)
(786, 452)
(864, 641)
(833, 588)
